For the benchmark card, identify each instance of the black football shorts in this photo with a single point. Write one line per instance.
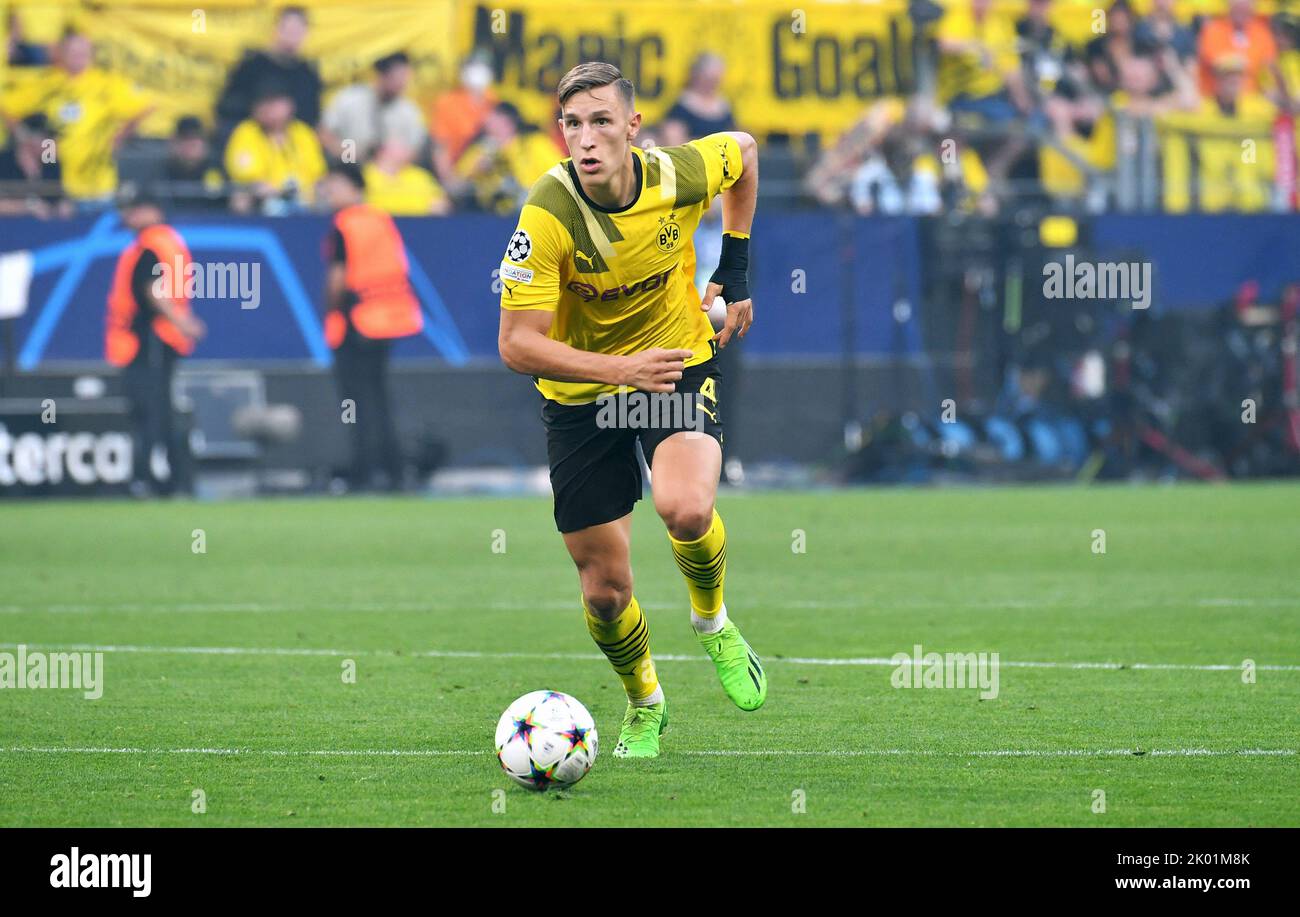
(595, 475)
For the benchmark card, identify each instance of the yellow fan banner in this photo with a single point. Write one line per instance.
(796, 68)
(180, 53)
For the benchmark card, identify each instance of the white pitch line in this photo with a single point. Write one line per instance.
(665, 657)
(265, 752)
(1007, 753)
(865, 604)
(233, 607)
(725, 753)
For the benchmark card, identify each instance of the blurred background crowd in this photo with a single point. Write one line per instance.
(1140, 106)
(923, 163)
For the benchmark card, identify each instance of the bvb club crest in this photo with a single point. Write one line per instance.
(669, 233)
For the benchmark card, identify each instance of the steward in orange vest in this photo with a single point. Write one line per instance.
(134, 310)
(148, 325)
(378, 300)
(369, 303)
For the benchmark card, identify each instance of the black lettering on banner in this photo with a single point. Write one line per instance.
(592, 47)
(549, 74)
(901, 57)
(506, 50)
(786, 78)
(866, 81)
(828, 65)
(650, 48)
(535, 61)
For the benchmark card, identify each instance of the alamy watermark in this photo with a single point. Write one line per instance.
(652, 411)
(103, 870)
(58, 671)
(210, 280)
(946, 670)
(1117, 280)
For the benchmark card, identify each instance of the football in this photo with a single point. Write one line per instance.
(546, 739)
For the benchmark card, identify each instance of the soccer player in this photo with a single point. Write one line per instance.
(597, 299)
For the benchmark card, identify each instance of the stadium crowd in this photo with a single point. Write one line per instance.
(1016, 106)
(270, 138)
(1008, 107)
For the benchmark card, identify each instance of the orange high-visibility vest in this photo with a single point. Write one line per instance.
(120, 341)
(375, 272)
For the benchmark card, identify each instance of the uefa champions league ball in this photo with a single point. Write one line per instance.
(545, 739)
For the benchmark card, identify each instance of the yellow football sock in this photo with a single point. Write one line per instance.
(625, 641)
(704, 564)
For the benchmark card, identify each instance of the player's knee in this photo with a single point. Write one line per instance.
(606, 600)
(687, 520)
(606, 592)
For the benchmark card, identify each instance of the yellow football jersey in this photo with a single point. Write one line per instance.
(619, 281)
(85, 111)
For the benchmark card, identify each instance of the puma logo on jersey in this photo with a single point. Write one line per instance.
(590, 259)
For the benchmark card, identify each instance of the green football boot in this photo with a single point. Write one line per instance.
(642, 726)
(739, 670)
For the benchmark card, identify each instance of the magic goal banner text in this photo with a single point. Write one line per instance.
(810, 69)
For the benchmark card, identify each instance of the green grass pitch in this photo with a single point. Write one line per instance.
(223, 669)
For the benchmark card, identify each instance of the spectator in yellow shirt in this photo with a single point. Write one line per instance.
(1221, 176)
(506, 159)
(979, 67)
(91, 112)
(980, 77)
(275, 156)
(396, 186)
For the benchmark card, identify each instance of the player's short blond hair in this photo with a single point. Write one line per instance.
(593, 75)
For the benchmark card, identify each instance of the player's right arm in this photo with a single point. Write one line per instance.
(530, 294)
(526, 348)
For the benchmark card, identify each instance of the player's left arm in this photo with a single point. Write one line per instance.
(731, 279)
